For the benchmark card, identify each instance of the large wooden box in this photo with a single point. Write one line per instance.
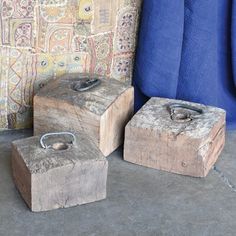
(175, 136)
(60, 176)
(101, 112)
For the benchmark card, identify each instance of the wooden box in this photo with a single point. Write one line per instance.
(60, 176)
(102, 112)
(175, 136)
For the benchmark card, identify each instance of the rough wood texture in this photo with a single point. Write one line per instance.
(51, 179)
(101, 112)
(154, 140)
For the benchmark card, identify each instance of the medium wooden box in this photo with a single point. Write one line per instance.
(166, 136)
(62, 176)
(101, 112)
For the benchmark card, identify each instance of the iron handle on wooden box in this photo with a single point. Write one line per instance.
(86, 84)
(184, 116)
(58, 145)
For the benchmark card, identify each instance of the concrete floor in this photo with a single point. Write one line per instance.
(140, 201)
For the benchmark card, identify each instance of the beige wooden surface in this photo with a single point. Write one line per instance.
(154, 140)
(49, 179)
(101, 112)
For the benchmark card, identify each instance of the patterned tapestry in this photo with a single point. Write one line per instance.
(44, 39)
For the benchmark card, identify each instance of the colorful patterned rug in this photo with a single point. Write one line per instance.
(44, 39)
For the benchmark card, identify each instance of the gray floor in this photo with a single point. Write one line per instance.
(140, 201)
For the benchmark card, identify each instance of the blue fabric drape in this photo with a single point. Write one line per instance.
(187, 50)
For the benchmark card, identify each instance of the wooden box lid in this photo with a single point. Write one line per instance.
(40, 160)
(155, 115)
(97, 100)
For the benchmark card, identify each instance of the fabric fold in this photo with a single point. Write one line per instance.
(160, 45)
(233, 38)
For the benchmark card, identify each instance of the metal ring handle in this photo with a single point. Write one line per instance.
(53, 134)
(188, 117)
(85, 85)
(185, 106)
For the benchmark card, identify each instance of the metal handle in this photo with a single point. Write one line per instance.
(184, 117)
(85, 85)
(53, 134)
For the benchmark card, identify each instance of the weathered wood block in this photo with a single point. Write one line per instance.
(62, 176)
(175, 136)
(101, 112)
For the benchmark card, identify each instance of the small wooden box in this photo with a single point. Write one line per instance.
(101, 112)
(62, 176)
(165, 135)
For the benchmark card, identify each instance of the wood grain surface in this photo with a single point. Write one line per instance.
(154, 140)
(49, 179)
(101, 112)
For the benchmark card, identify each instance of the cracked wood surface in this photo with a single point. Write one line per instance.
(188, 148)
(101, 112)
(49, 179)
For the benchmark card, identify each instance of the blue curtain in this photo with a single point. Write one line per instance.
(187, 50)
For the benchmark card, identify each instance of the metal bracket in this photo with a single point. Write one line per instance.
(85, 85)
(43, 145)
(184, 116)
